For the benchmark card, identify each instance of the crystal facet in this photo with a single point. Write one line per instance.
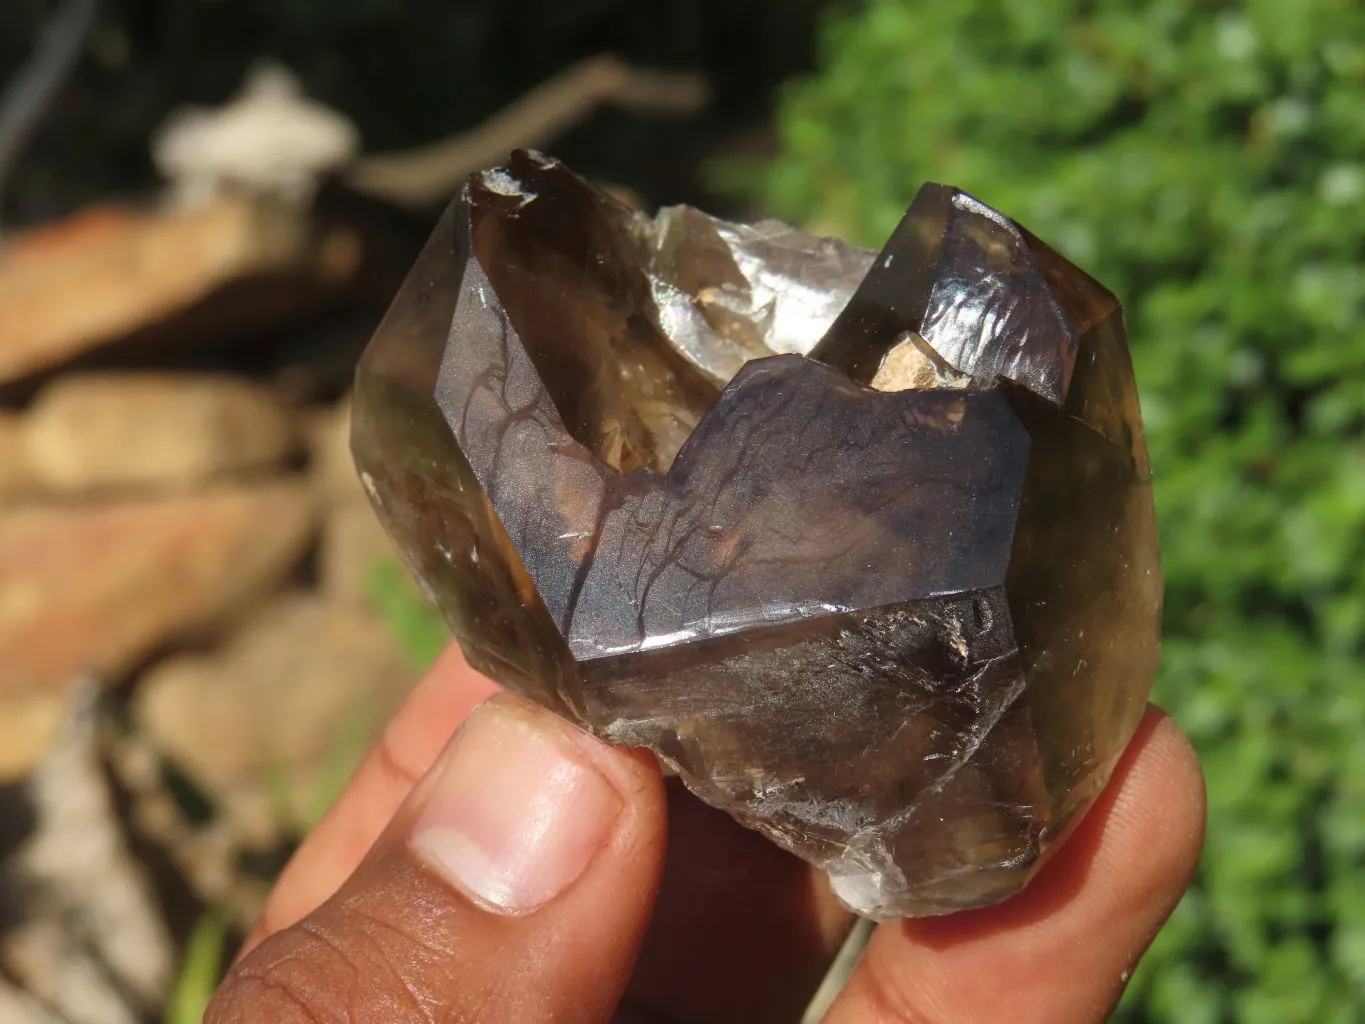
(862, 545)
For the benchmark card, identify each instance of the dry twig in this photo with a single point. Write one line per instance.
(432, 173)
(30, 93)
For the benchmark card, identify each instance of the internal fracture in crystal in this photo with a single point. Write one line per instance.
(861, 544)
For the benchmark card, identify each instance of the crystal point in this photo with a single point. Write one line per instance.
(861, 544)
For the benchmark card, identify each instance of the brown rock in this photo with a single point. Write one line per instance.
(28, 725)
(16, 476)
(105, 273)
(354, 544)
(332, 465)
(122, 430)
(271, 724)
(95, 589)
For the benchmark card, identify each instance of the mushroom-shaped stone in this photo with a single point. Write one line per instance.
(269, 140)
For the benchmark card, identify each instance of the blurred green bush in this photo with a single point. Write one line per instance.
(1207, 162)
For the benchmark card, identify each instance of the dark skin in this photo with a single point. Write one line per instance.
(668, 911)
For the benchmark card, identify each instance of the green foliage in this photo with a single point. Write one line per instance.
(200, 972)
(1207, 162)
(416, 623)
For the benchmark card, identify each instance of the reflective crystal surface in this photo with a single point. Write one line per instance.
(861, 544)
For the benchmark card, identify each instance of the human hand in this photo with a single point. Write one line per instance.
(524, 871)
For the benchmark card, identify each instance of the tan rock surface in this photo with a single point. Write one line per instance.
(353, 542)
(332, 467)
(353, 546)
(16, 477)
(272, 723)
(90, 432)
(97, 588)
(107, 272)
(29, 723)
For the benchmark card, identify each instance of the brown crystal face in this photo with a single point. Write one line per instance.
(905, 630)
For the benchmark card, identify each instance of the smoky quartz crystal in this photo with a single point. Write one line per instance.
(861, 545)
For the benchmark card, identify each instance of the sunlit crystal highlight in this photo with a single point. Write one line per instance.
(861, 544)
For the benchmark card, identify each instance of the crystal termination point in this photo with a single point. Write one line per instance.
(861, 544)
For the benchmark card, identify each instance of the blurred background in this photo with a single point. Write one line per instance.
(205, 206)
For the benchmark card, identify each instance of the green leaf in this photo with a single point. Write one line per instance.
(200, 971)
(414, 621)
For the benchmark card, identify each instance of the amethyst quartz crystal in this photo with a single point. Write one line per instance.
(861, 545)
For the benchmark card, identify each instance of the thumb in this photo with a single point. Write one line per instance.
(515, 884)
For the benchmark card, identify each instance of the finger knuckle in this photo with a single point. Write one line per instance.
(247, 996)
(394, 762)
(315, 974)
